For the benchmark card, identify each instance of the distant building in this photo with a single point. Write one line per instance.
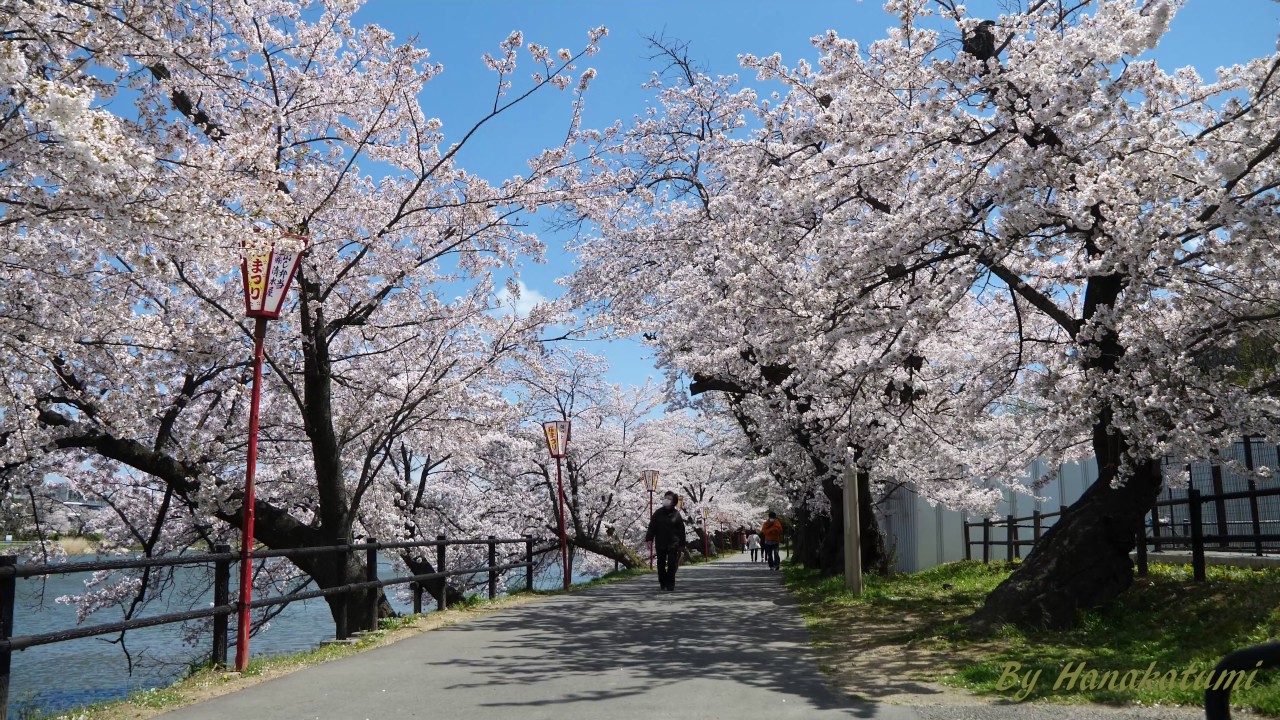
(920, 536)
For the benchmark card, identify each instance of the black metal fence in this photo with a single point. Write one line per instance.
(1237, 509)
(1218, 510)
(1013, 540)
(221, 561)
(1204, 527)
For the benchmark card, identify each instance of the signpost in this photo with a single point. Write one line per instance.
(852, 530)
(650, 478)
(706, 534)
(267, 274)
(557, 433)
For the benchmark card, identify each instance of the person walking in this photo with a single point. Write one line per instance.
(771, 531)
(753, 544)
(666, 530)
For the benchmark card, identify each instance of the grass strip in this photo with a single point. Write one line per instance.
(1154, 645)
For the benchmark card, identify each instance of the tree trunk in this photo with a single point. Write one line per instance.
(614, 551)
(807, 538)
(1082, 561)
(875, 553)
(819, 540)
(418, 565)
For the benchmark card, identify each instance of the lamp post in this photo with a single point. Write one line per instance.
(650, 478)
(267, 275)
(557, 433)
(706, 534)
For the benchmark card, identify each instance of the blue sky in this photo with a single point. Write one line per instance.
(1205, 34)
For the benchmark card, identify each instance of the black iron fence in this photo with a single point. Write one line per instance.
(1012, 528)
(1219, 509)
(1195, 532)
(221, 561)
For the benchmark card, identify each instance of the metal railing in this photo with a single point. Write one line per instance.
(1193, 537)
(1217, 700)
(1012, 527)
(221, 560)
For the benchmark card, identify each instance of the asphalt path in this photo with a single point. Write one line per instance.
(728, 643)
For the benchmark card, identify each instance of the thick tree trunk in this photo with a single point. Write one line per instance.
(1082, 561)
(807, 539)
(875, 553)
(819, 540)
(703, 542)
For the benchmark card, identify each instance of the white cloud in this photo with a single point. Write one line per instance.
(521, 305)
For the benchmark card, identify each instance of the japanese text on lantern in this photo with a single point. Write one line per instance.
(267, 277)
(557, 432)
(256, 268)
(281, 271)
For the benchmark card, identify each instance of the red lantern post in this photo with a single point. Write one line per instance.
(267, 276)
(557, 433)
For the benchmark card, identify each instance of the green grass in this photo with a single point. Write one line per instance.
(1164, 618)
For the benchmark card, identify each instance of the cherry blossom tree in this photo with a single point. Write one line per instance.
(692, 257)
(143, 144)
(617, 434)
(1030, 252)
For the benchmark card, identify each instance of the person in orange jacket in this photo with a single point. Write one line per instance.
(771, 531)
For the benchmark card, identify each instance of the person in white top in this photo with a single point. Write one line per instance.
(753, 544)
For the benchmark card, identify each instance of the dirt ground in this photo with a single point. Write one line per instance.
(870, 666)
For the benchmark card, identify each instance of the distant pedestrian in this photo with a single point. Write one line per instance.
(771, 531)
(753, 544)
(666, 530)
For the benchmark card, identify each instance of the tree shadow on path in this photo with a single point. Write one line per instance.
(730, 629)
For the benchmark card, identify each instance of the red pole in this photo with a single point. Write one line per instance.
(564, 538)
(651, 542)
(246, 529)
(706, 542)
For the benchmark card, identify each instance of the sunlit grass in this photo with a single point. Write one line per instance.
(1165, 618)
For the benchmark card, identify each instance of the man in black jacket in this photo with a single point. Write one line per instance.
(666, 530)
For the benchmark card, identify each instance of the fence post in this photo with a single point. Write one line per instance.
(1037, 523)
(442, 603)
(340, 558)
(1220, 507)
(968, 551)
(1155, 527)
(986, 540)
(1140, 537)
(1253, 497)
(371, 575)
(528, 558)
(1197, 534)
(221, 596)
(416, 587)
(8, 588)
(493, 574)
(1010, 537)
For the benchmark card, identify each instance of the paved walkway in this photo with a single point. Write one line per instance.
(727, 644)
